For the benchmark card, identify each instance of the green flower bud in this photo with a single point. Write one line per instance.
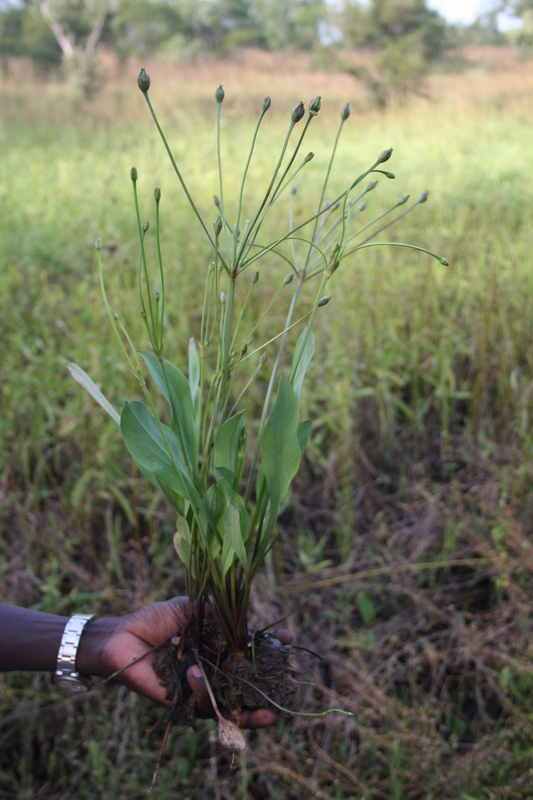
(219, 94)
(157, 296)
(298, 112)
(309, 157)
(403, 199)
(324, 301)
(216, 200)
(98, 244)
(244, 349)
(384, 155)
(266, 105)
(143, 314)
(255, 278)
(362, 206)
(157, 194)
(263, 359)
(115, 316)
(143, 81)
(288, 279)
(423, 197)
(372, 185)
(134, 174)
(222, 299)
(314, 106)
(217, 226)
(145, 226)
(345, 112)
(294, 189)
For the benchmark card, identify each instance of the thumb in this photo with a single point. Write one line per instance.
(196, 682)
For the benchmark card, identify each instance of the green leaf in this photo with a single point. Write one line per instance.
(175, 388)
(228, 556)
(280, 450)
(302, 359)
(227, 444)
(90, 386)
(232, 529)
(232, 497)
(194, 381)
(182, 539)
(144, 441)
(302, 432)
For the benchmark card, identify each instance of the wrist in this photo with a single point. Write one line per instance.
(91, 656)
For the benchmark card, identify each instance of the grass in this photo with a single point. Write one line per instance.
(408, 529)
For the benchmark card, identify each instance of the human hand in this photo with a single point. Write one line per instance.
(112, 643)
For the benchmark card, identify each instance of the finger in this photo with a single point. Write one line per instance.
(201, 695)
(284, 636)
(262, 718)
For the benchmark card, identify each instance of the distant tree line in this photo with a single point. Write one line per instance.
(407, 35)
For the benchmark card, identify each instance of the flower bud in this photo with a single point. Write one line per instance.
(134, 174)
(423, 197)
(288, 279)
(255, 278)
(314, 105)
(157, 194)
(222, 299)
(217, 226)
(384, 155)
(372, 185)
(216, 200)
(362, 206)
(143, 81)
(263, 359)
(219, 94)
(324, 301)
(403, 199)
(98, 244)
(294, 189)
(266, 104)
(244, 349)
(145, 226)
(157, 296)
(345, 112)
(115, 316)
(143, 314)
(309, 157)
(298, 112)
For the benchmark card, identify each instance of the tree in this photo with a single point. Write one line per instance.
(77, 26)
(408, 37)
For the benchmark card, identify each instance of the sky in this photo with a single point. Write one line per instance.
(466, 11)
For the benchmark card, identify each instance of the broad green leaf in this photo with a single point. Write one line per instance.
(194, 381)
(182, 539)
(231, 497)
(303, 357)
(146, 444)
(175, 388)
(227, 444)
(228, 557)
(232, 529)
(280, 450)
(90, 386)
(302, 432)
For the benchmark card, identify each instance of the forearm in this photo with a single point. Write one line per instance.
(29, 640)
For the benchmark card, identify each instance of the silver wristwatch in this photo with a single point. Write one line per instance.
(66, 673)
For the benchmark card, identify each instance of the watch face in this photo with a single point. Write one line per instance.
(73, 685)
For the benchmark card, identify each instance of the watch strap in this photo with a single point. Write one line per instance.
(66, 672)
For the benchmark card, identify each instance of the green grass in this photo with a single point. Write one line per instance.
(421, 391)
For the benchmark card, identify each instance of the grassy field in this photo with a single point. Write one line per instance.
(408, 531)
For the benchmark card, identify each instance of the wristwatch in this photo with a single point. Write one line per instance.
(66, 673)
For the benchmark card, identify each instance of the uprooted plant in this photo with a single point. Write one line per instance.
(226, 500)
